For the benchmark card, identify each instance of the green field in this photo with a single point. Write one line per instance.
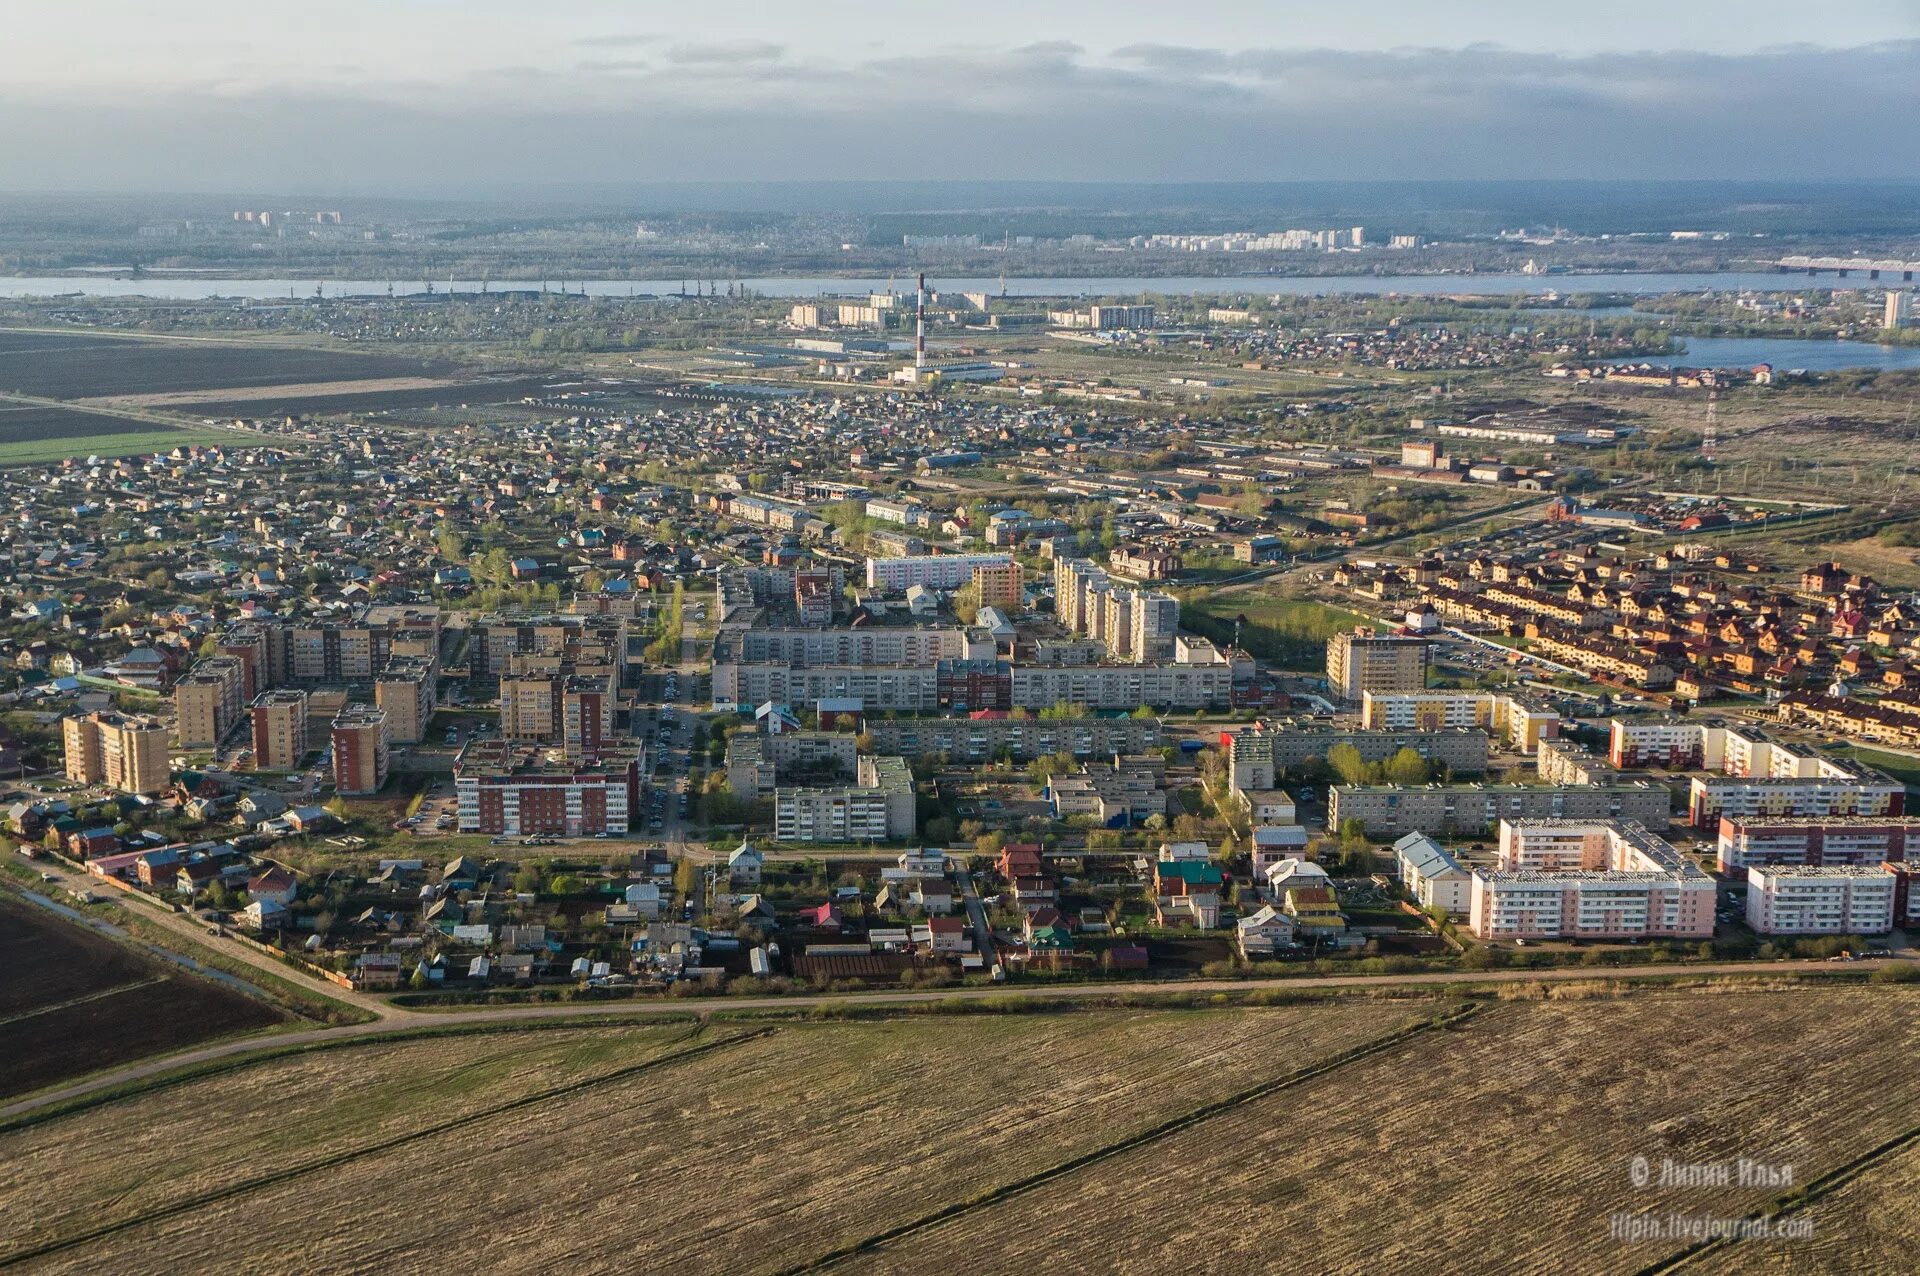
(40, 451)
(1289, 632)
(1900, 766)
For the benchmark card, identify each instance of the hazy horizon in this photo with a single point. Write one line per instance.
(431, 100)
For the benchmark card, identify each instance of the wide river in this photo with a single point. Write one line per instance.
(1787, 354)
(200, 287)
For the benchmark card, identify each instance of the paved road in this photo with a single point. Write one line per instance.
(408, 1021)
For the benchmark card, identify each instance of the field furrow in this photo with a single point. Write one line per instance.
(1512, 1142)
(755, 1157)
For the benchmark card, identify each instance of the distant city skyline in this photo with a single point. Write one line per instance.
(427, 97)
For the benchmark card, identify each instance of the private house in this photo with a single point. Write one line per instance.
(1433, 877)
(276, 886)
(1264, 932)
(1186, 892)
(744, 865)
(946, 936)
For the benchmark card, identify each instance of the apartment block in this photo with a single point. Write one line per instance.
(1390, 810)
(999, 585)
(1521, 724)
(1154, 626)
(572, 710)
(1022, 738)
(1848, 790)
(522, 790)
(1822, 899)
(755, 762)
(879, 688)
(1359, 662)
(359, 750)
(279, 729)
(878, 807)
(1200, 684)
(901, 513)
(1282, 745)
(1752, 775)
(1650, 742)
(1763, 842)
(936, 571)
(121, 751)
(207, 701)
(813, 597)
(1138, 625)
(1559, 761)
(1250, 760)
(1580, 879)
(405, 692)
(878, 645)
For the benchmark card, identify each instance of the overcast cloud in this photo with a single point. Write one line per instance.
(639, 104)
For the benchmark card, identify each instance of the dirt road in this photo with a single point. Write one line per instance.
(403, 1021)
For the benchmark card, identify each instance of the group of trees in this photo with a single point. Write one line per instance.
(669, 627)
(1404, 767)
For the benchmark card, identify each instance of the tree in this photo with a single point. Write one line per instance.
(1406, 767)
(418, 979)
(966, 602)
(1346, 763)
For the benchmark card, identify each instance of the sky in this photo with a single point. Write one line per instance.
(434, 97)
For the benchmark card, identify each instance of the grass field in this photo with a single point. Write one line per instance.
(73, 1001)
(1900, 766)
(38, 451)
(1335, 1136)
(1291, 632)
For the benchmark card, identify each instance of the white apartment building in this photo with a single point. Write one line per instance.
(903, 513)
(880, 645)
(935, 571)
(1852, 791)
(877, 808)
(1134, 624)
(1825, 899)
(1521, 724)
(1156, 622)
